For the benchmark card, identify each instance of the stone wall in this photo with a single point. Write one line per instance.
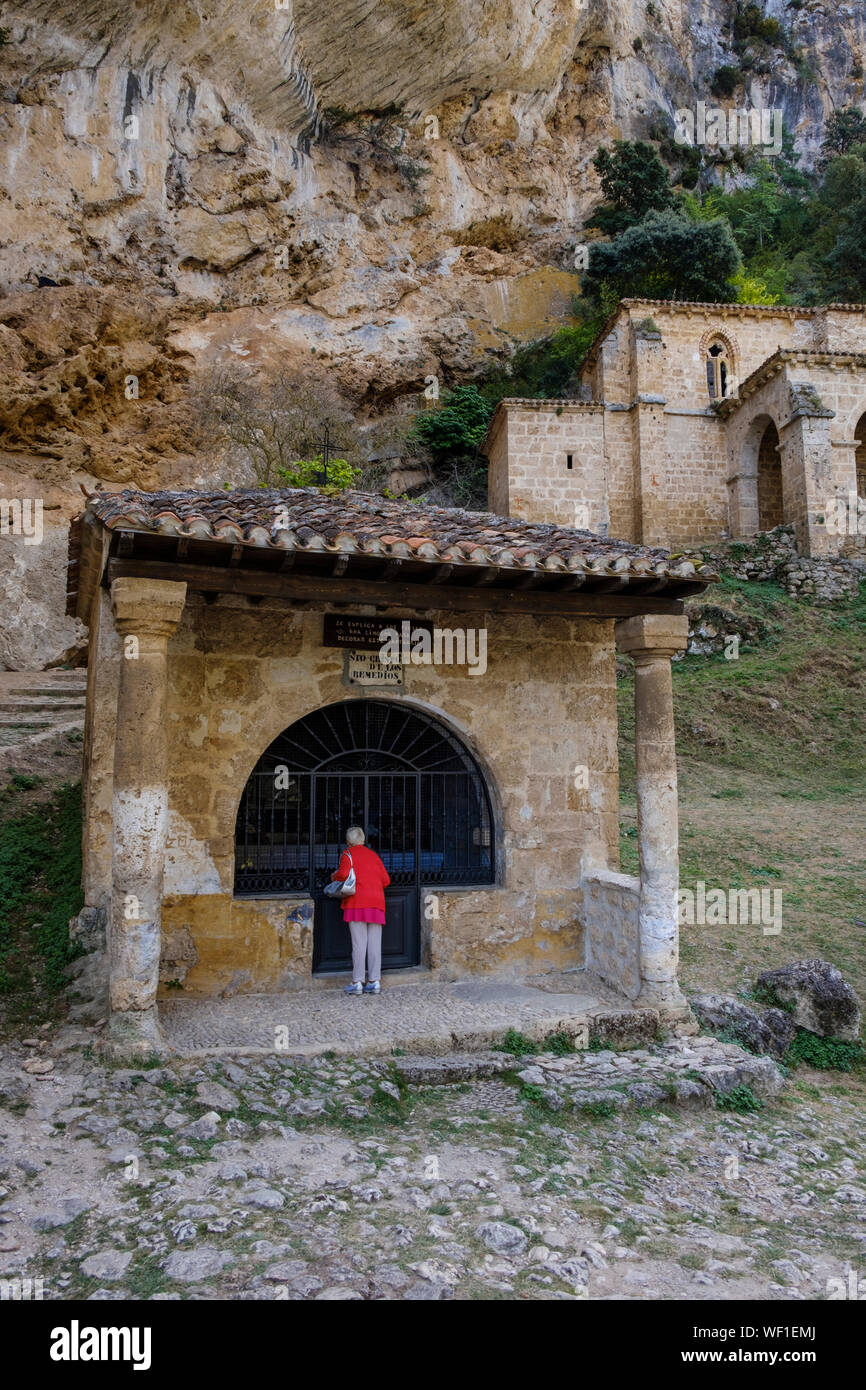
(547, 464)
(677, 369)
(240, 673)
(608, 905)
(772, 557)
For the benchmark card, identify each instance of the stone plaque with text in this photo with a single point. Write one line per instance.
(365, 668)
(361, 634)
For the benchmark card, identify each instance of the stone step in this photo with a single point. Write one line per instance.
(19, 721)
(28, 706)
(436, 1018)
(690, 1074)
(42, 682)
(44, 688)
(13, 733)
(64, 709)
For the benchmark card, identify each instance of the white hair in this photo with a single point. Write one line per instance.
(355, 835)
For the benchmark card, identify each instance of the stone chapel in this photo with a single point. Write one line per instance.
(698, 423)
(239, 718)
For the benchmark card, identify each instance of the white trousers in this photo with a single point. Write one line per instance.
(366, 945)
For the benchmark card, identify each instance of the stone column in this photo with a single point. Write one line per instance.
(651, 640)
(146, 613)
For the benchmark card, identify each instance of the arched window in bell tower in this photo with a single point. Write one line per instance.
(719, 371)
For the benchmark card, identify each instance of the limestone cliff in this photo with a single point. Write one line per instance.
(293, 185)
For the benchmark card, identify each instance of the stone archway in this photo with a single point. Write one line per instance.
(757, 493)
(398, 772)
(860, 455)
(769, 480)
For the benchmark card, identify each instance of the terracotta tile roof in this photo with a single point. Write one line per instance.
(364, 524)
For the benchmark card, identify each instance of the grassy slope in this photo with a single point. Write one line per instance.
(40, 876)
(772, 759)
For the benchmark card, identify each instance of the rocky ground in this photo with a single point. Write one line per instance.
(541, 1177)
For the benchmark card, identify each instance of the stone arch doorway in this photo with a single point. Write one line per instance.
(769, 479)
(393, 769)
(860, 455)
(757, 500)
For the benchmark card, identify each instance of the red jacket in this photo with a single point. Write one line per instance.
(371, 877)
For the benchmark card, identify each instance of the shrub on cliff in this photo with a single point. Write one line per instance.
(547, 368)
(308, 473)
(274, 428)
(751, 23)
(844, 130)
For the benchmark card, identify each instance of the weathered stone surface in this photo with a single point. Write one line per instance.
(502, 1238)
(61, 1213)
(216, 1096)
(286, 1271)
(760, 1074)
(188, 1266)
(205, 1127)
(265, 1198)
(768, 1031)
(107, 1264)
(823, 1000)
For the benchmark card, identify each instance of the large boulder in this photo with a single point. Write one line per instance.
(769, 1032)
(822, 999)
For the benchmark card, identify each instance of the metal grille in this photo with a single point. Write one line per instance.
(414, 788)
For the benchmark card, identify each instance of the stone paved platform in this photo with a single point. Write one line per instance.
(691, 1073)
(429, 1017)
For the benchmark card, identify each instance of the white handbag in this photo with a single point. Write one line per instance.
(342, 888)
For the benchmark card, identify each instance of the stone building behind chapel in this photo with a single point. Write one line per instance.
(697, 423)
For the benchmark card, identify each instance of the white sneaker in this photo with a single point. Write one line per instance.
(372, 987)
(356, 988)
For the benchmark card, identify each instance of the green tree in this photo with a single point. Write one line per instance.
(750, 23)
(752, 290)
(546, 368)
(634, 182)
(666, 256)
(308, 473)
(457, 426)
(844, 129)
(841, 207)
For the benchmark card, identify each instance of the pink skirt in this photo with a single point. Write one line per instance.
(364, 914)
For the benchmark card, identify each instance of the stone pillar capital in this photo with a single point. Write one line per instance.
(652, 636)
(147, 607)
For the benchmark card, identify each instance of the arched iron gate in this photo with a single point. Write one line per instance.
(411, 784)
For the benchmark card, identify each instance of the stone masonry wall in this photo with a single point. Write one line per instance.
(772, 558)
(671, 470)
(547, 464)
(608, 904)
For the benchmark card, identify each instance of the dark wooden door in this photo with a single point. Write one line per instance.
(387, 806)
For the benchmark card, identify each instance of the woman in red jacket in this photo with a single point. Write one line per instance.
(365, 910)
